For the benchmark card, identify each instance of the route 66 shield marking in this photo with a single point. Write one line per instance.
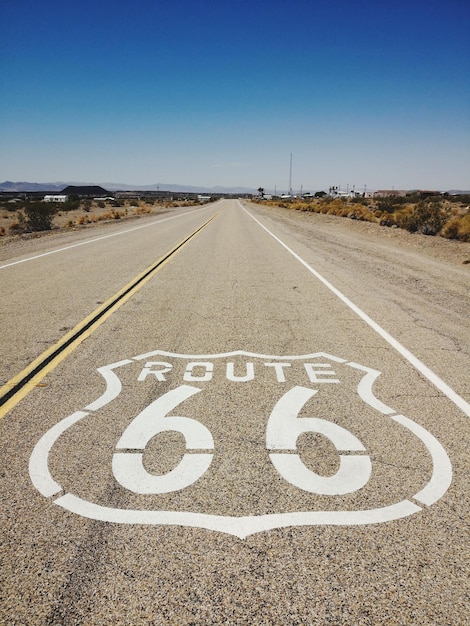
(232, 464)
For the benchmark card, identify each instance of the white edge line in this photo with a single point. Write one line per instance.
(462, 404)
(83, 243)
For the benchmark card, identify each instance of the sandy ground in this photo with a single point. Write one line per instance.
(450, 250)
(80, 219)
(79, 222)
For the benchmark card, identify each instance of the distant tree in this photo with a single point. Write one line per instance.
(261, 191)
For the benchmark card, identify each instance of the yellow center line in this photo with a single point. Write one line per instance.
(20, 385)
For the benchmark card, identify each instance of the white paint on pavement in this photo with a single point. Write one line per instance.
(241, 527)
(284, 427)
(113, 385)
(38, 462)
(462, 404)
(128, 467)
(442, 468)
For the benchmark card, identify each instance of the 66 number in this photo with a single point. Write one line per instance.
(283, 429)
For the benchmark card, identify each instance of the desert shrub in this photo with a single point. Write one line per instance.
(113, 215)
(358, 200)
(426, 217)
(391, 204)
(361, 212)
(90, 218)
(143, 210)
(337, 207)
(457, 228)
(2, 231)
(72, 204)
(398, 217)
(12, 206)
(17, 227)
(429, 216)
(38, 216)
(303, 206)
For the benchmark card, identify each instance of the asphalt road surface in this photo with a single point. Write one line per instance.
(223, 415)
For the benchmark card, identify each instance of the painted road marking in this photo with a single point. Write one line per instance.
(128, 467)
(95, 239)
(462, 404)
(282, 432)
(284, 426)
(20, 385)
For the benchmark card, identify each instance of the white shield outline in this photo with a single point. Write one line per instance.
(243, 526)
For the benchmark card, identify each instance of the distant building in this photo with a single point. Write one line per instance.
(337, 192)
(58, 198)
(85, 190)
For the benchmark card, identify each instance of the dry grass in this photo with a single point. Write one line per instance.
(89, 212)
(457, 228)
(428, 216)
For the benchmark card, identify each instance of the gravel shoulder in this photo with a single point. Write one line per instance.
(439, 248)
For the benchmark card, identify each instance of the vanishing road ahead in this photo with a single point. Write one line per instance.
(233, 415)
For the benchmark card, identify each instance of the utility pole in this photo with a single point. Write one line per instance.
(290, 175)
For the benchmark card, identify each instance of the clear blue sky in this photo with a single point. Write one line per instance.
(362, 92)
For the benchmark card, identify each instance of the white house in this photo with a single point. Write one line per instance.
(56, 198)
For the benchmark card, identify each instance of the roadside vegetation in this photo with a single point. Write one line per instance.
(21, 216)
(443, 215)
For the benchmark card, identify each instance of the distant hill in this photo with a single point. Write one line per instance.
(9, 186)
(12, 187)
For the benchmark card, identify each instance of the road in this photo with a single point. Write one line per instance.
(234, 416)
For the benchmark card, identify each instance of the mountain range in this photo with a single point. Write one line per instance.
(57, 187)
(9, 186)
